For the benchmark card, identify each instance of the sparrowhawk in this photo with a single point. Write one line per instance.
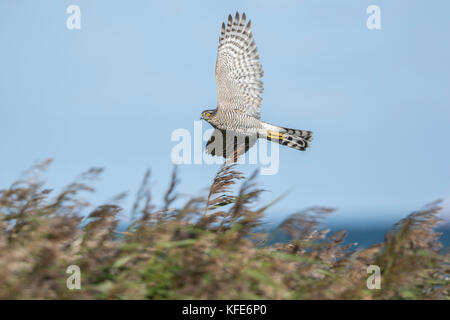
(239, 96)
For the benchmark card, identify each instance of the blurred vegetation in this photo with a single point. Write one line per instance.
(211, 247)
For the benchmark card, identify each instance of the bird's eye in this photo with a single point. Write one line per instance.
(208, 114)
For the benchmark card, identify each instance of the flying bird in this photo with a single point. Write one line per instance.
(236, 120)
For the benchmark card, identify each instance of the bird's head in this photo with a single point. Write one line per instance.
(208, 114)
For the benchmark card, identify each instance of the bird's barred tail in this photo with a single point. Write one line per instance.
(293, 138)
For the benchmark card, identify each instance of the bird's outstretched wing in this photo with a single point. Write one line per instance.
(238, 70)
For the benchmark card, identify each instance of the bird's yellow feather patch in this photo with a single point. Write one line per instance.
(275, 135)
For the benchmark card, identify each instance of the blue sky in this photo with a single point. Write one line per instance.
(111, 94)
